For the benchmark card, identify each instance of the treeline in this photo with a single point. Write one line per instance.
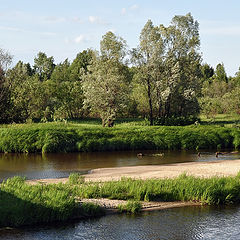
(162, 79)
(220, 94)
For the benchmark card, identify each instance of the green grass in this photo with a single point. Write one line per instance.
(86, 135)
(213, 191)
(23, 204)
(130, 207)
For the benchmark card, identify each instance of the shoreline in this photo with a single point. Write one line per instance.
(197, 169)
(110, 206)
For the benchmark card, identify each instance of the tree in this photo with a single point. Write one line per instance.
(16, 79)
(105, 85)
(80, 64)
(43, 66)
(148, 60)
(220, 73)
(5, 61)
(168, 64)
(207, 72)
(66, 92)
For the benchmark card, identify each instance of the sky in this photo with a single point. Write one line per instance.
(63, 28)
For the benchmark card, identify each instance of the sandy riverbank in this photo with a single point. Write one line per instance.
(199, 169)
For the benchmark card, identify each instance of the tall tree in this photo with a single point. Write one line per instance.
(169, 67)
(5, 61)
(148, 58)
(66, 92)
(220, 73)
(105, 85)
(43, 66)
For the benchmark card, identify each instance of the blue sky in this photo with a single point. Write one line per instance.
(62, 28)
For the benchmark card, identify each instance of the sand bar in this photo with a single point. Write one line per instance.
(199, 169)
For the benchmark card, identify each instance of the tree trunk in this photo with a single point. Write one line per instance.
(150, 102)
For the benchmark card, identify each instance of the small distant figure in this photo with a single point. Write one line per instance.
(140, 154)
(219, 153)
(199, 154)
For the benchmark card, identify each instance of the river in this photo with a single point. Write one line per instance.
(187, 223)
(57, 165)
(190, 223)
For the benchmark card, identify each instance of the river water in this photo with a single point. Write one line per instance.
(36, 166)
(187, 223)
(190, 223)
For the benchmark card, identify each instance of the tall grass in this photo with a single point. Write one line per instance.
(215, 190)
(23, 204)
(71, 137)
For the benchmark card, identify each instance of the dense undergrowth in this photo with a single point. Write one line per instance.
(23, 204)
(75, 137)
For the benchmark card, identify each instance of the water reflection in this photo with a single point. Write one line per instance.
(60, 164)
(188, 223)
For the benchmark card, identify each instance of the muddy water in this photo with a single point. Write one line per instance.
(35, 166)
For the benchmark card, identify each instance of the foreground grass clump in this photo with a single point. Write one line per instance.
(23, 204)
(213, 191)
(70, 137)
(76, 178)
(130, 207)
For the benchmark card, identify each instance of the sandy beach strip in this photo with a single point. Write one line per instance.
(198, 169)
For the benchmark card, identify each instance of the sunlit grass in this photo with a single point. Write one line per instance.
(24, 204)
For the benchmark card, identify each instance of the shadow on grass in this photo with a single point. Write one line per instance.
(16, 212)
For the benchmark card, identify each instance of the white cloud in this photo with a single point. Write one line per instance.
(131, 8)
(96, 20)
(134, 7)
(79, 39)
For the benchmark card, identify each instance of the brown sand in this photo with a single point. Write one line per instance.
(199, 169)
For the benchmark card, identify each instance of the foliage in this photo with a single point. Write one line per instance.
(43, 66)
(130, 207)
(105, 85)
(5, 105)
(76, 178)
(70, 137)
(24, 204)
(168, 65)
(213, 191)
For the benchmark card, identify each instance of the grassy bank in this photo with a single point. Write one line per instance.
(23, 204)
(213, 191)
(90, 136)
